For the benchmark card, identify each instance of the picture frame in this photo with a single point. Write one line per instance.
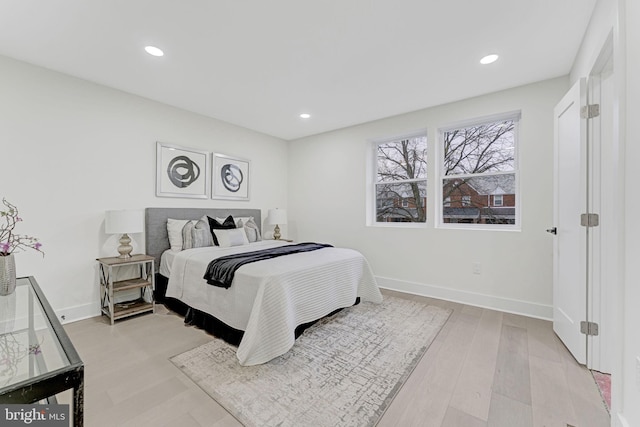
(182, 172)
(230, 177)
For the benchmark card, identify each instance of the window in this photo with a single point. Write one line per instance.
(400, 182)
(479, 173)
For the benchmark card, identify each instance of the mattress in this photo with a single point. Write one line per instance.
(268, 299)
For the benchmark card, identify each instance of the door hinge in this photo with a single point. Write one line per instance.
(590, 111)
(589, 220)
(589, 328)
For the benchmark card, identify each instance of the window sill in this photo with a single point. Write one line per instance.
(480, 227)
(398, 225)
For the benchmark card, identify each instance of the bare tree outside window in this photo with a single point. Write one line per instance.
(401, 180)
(479, 166)
(483, 148)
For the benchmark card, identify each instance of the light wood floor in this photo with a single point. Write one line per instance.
(485, 368)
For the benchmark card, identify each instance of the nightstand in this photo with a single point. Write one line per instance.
(144, 281)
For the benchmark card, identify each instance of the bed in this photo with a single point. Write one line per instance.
(269, 303)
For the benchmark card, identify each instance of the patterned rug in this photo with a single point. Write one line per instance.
(343, 371)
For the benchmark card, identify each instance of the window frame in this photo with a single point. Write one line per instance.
(439, 203)
(372, 175)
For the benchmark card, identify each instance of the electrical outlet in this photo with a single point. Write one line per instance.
(476, 268)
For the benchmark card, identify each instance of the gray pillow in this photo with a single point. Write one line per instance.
(196, 234)
(202, 233)
(187, 237)
(251, 228)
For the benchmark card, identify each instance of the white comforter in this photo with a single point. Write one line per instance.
(268, 299)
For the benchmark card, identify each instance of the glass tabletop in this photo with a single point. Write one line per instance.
(30, 345)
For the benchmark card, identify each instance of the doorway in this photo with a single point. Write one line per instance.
(585, 217)
(603, 197)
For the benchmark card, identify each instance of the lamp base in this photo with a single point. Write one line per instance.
(125, 247)
(276, 233)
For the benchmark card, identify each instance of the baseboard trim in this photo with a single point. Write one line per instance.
(621, 421)
(79, 312)
(507, 305)
(86, 311)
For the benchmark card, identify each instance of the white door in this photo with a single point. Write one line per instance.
(570, 241)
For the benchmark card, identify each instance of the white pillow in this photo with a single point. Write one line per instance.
(174, 230)
(231, 237)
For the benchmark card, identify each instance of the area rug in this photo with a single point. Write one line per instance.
(343, 371)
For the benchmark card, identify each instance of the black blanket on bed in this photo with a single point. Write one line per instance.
(221, 270)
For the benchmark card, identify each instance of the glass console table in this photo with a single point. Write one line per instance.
(37, 359)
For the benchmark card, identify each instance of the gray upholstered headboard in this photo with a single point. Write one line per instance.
(156, 237)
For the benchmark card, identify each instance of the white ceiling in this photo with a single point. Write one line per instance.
(260, 63)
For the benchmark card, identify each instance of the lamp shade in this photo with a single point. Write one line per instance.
(123, 221)
(277, 216)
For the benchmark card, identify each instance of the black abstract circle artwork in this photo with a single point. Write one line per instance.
(231, 177)
(183, 171)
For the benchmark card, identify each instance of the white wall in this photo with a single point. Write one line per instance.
(71, 149)
(327, 203)
(630, 15)
(600, 26)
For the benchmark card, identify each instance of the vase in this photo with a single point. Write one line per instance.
(7, 274)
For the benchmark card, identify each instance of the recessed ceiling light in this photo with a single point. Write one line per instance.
(489, 59)
(152, 50)
(305, 115)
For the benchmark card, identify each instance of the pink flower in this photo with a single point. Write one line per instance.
(9, 240)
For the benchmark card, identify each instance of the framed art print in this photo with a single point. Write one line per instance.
(182, 172)
(230, 178)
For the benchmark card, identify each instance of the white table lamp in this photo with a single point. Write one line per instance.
(277, 216)
(124, 222)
